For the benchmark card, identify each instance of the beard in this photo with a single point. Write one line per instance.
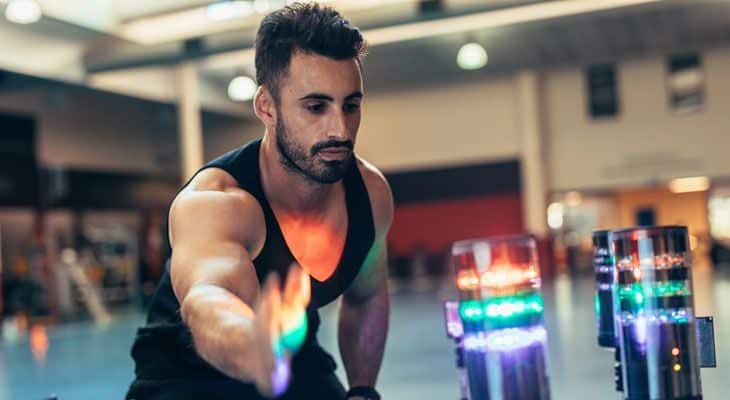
(295, 157)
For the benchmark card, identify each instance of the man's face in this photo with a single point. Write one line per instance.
(318, 115)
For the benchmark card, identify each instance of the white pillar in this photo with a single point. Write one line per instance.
(533, 160)
(189, 125)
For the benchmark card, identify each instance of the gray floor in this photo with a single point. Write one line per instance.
(88, 363)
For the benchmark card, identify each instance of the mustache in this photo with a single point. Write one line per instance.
(332, 143)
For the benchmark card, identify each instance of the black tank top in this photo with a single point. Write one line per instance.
(163, 348)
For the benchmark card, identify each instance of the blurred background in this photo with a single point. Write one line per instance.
(488, 117)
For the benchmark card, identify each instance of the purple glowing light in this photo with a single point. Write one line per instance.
(455, 329)
(454, 326)
(452, 311)
(476, 341)
(604, 269)
(505, 339)
(280, 376)
(605, 286)
(512, 339)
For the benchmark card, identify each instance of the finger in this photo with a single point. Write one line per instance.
(271, 286)
(274, 310)
(280, 376)
(270, 297)
(293, 280)
(294, 332)
(295, 299)
(270, 313)
(267, 330)
(298, 288)
(305, 290)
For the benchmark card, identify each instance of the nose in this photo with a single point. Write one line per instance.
(338, 127)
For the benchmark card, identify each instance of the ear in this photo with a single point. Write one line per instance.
(264, 107)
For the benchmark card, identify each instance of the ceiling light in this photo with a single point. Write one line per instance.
(555, 213)
(472, 56)
(23, 11)
(687, 185)
(166, 27)
(242, 88)
(261, 6)
(188, 23)
(226, 10)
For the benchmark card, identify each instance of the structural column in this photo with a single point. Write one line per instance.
(189, 121)
(533, 163)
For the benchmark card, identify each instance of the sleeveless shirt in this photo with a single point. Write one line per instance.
(163, 349)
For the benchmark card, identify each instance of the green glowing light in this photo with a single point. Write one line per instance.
(293, 339)
(638, 292)
(502, 308)
(471, 310)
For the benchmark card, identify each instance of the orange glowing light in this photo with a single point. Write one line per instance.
(637, 273)
(505, 276)
(467, 280)
(38, 343)
(675, 351)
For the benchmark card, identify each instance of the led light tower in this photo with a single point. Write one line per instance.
(501, 311)
(654, 311)
(603, 264)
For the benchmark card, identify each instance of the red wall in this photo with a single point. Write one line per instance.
(437, 224)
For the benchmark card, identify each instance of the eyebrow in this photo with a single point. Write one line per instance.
(326, 97)
(354, 96)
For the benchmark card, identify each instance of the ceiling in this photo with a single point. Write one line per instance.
(89, 43)
(580, 40)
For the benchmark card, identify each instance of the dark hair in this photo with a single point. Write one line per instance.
(306, 27)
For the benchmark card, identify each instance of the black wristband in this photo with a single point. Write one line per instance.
(363, 391)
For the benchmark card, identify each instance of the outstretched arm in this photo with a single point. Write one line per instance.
(216, 231)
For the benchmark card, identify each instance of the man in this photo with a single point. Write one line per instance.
(296, 207)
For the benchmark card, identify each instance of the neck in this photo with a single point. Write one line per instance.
(290, 191)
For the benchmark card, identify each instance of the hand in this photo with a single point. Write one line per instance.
(278, 314)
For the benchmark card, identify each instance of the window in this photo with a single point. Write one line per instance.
(685, 82)
(602, 91)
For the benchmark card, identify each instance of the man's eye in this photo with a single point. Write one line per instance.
(352, 107)
(316, 108)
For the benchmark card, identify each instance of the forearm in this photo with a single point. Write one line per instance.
(222, 329)
(363, 328)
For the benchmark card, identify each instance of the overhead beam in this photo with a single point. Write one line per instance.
(125, 55)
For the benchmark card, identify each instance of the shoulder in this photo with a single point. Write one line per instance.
(381, 197)
(213, 203)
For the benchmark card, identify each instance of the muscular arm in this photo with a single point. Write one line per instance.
(364, 311)
(216, 230)
(363, 324)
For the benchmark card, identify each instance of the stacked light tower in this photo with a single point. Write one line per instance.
(654, 311)
(659, 347)
(603, 264)
(499, 327)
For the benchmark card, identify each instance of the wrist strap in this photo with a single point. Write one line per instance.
(363, 391)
